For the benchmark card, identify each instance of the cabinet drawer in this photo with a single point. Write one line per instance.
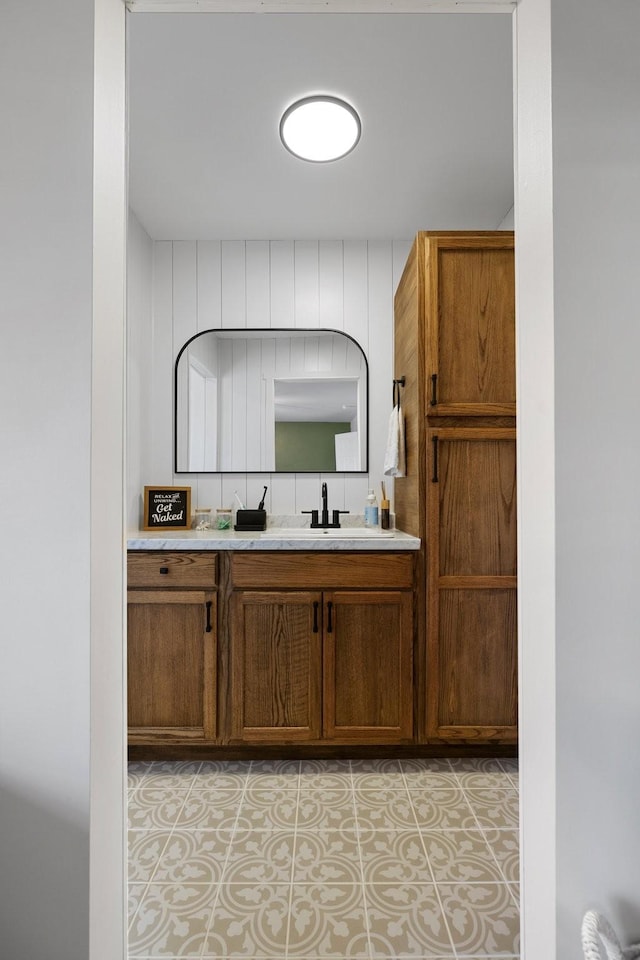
(162, 569)
(322, 570)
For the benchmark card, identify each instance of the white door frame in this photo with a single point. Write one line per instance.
(535, 366)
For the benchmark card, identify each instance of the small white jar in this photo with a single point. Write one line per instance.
(203, 518)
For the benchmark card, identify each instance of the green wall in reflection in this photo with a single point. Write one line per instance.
(307, 446)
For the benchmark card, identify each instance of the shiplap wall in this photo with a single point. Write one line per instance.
(197, 285)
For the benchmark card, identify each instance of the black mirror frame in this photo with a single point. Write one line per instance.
(266, 331)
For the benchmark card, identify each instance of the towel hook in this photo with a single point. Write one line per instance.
(400, 382)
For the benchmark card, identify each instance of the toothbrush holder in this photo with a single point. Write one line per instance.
(250, 520)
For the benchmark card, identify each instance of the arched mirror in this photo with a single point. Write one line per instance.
(271, 401)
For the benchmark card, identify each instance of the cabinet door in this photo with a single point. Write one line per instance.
(471, 594)
(276, 665)
(368, 675)
(470, 318)
(171, 653)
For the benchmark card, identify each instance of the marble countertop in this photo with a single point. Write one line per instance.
(230, 540)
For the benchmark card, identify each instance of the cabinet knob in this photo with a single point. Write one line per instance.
(164, 569)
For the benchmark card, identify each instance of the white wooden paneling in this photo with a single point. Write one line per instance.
(160, 368)
(239, 412)
(343, 285)
(306, 294)
(282, 284)
(233, 274)
(331, 284)
(258, 297)
(356, 322)
(209, 285)
(252, 397)
(225, 382)
(380, 299)
(185, 293)
(307, 492)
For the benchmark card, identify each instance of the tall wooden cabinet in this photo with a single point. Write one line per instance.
(455, 346)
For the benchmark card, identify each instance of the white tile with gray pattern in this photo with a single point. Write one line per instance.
(324, 860)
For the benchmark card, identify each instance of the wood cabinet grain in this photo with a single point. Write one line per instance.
(454, 319)
(171, 646)
(469, 312)
(270, 649)
(324, 665)
(471, 584)
(171, 672)
(276, 664)
(368, 666)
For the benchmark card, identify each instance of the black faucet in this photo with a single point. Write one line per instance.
(324, 518)
(325, 506)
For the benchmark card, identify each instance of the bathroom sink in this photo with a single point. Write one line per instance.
(341, 533)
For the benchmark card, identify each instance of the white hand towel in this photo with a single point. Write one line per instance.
(394, 457)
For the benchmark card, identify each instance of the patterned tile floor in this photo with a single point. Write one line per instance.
(301, 860)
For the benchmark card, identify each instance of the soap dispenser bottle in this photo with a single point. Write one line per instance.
(371, 510)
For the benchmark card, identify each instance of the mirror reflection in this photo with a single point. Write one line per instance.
(273, 401)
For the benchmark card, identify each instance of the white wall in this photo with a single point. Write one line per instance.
(139, 345)
(508, 221)
(596, 170)
(342, 285)
(46, 224)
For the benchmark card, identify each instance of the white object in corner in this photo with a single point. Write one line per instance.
(347, 452)
(597, 932)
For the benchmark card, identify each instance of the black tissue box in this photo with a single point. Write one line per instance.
(250, 520)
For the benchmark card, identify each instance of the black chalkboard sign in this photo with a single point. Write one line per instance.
(167, 508)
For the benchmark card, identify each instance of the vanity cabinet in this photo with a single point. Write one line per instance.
(171, 647)
(454, 324)
(368, 674)
(276, 666)
(322, 648)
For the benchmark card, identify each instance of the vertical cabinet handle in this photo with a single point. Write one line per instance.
(434, 389)
(434, 478)
(208, 627)
(329, 617)
(315, 616)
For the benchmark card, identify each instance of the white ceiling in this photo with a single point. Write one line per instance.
(206, 92)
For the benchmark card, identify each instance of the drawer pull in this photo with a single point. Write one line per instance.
(164, 569)
(434, 390)
(329, 617)
(208, 627)
(315, 616)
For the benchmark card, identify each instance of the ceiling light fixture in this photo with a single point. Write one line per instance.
(320, 129)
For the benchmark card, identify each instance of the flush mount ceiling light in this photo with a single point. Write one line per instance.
(320, 129)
